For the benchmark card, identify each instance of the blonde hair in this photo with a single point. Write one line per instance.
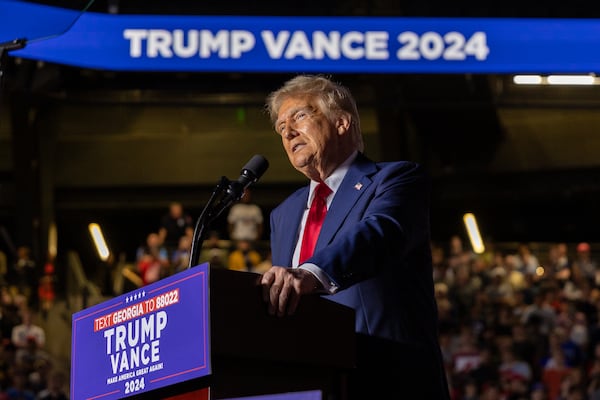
(331, 97)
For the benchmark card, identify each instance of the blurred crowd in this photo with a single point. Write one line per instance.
(241, 248)
(519, 321)
(516, 324)
(27, 370)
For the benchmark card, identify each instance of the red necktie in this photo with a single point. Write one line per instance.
(314, 221)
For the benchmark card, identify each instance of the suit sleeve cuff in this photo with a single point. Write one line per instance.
(329, 285)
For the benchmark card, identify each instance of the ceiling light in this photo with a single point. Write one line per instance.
(527, 79)
(571, 79)
(555, 80)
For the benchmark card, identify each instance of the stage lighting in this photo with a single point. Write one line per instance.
(99, 242)
(473, 231)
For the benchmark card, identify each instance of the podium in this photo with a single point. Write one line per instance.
(250, 353)
(266, 354)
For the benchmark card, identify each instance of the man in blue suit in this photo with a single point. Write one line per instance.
(373, 249)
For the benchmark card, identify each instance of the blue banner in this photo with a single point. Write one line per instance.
(23, 20)
(156, 336)
(318, 44)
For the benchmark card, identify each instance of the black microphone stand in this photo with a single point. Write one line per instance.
(211, 211)
(226, 193)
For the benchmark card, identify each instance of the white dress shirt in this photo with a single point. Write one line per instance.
(333, 181)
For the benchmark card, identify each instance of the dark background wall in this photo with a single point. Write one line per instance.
(80, 145)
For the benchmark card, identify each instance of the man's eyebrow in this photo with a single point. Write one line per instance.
(281, 118)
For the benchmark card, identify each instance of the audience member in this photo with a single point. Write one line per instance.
(584, 262)
(579, 332)
(9, 315)
(180, 258)
(593, 372)
(554, 371)
(527, 262)
(244, 257)
(173, 225)
(34, 362)
(446, 309)
(539, 391)
(18, 389)
(523, 345)
(558, 260)
(486, 370)
(152, 259)
(499, 291)
(457, 254)
(23, 274)
(264, 265)
(214, 251)
(462, 292)
(470, 391)
(46, 289)
(245, 219)
(441, 270)
(540, 313)
(56, 387)
(3, 269)
(492, 391)
(512, 367)
(27, 330)
(514, 276)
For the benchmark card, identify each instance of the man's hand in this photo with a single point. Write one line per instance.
(282, 288)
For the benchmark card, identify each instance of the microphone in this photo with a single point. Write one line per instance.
(250, 173)
(229, 192)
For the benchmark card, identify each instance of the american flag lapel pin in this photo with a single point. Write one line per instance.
(358, 186)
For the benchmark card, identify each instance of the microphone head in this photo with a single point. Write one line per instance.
(256, 167)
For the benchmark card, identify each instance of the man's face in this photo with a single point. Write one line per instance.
(176, 210)
(308, 137)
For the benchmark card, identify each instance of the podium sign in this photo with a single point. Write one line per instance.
(152, 337)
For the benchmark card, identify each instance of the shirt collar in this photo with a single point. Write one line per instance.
(334, 180)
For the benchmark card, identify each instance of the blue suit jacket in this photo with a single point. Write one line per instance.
(375, 245)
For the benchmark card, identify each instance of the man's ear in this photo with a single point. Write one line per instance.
(343, 122)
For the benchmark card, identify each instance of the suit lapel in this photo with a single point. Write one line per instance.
(288, 236)
(353, 186)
